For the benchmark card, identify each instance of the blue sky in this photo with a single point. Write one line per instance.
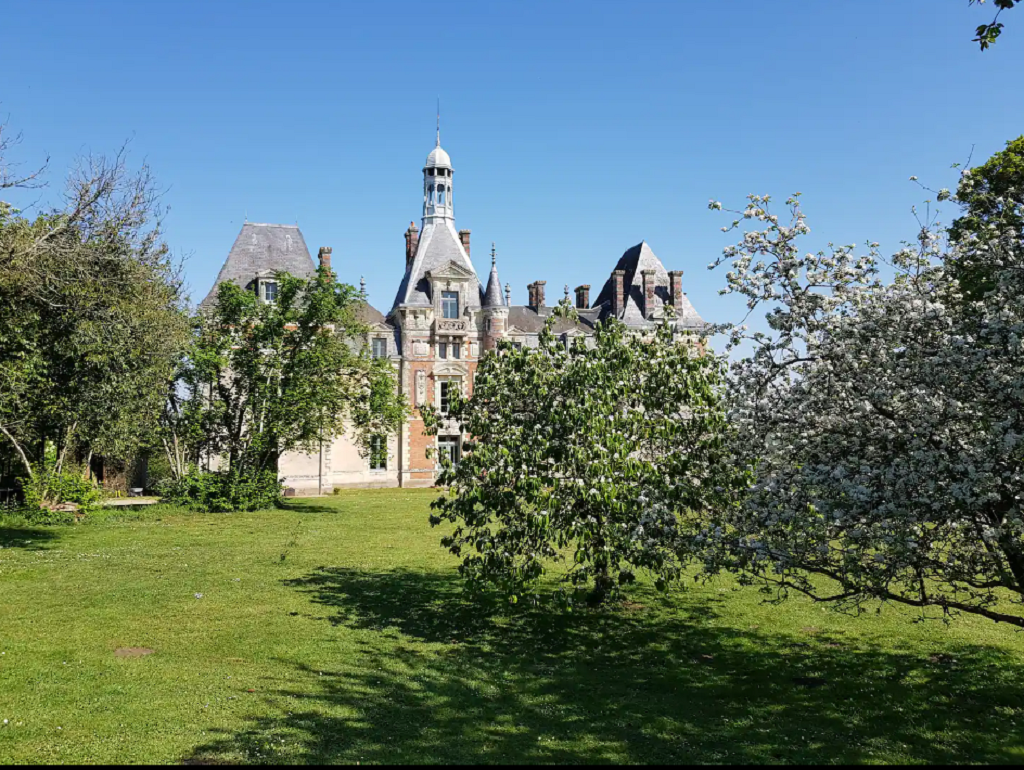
(576, 129)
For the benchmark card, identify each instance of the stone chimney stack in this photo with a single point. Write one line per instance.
(324, 257)
(583, 296)
(538, 293)
(648, 277)
(618, 292)
(464, 237)
(412, 240)
(675, 287)
(531, 295)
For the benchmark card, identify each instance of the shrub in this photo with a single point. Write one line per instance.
(48, 491)
(220, 492)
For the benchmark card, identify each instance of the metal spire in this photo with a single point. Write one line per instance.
(362, 286)
(494, 259)
(439, 121)
(508, 295)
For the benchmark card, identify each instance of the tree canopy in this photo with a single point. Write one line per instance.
(883, 420)
(605, 456)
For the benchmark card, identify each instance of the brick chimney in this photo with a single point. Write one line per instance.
(464, 237)
(538, 293)
(583, 296)
(412, 240)
(324, 258)
(531, 295)
(675, 287)
(649, 283)
(618, 292)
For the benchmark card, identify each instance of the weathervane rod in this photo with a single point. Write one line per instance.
(438, 121)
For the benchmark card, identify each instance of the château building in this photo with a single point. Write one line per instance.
(442, 320)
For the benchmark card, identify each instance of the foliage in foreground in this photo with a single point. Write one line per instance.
(884, 420)
(603, 455)
(223, 492)
(91, 321)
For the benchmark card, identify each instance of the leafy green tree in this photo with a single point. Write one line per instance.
(263, 378)
(91, 321)
(991, 197)
(603, 455)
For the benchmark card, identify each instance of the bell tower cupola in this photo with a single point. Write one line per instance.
(437, 185)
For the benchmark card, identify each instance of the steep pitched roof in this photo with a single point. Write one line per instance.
(261, 248)
(439, 244)
(634, 261)
(493, 296)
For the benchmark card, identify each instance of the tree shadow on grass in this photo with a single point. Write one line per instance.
(448, 680)
(26, 537)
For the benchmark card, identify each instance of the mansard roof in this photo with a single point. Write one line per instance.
(634, 261)
(263, 249)
(531, 320)
(438, 246)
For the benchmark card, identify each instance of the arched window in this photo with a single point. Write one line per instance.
(440, 194)
(430, 193)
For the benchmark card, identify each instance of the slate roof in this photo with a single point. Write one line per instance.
(263, 248)
(493, 296)
(439, 244)
(368, 314)
(634, 261)
(531, 321)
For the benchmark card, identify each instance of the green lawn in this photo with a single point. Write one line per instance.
(337, 632)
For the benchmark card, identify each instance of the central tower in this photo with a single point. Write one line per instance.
(437, 186)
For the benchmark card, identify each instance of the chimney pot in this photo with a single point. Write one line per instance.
(412, 239)
(675, 287)
(583, 296)
(648, 278)
(618, 293)
(464, 237)
(324, 257)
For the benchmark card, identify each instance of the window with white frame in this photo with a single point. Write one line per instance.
(446, 387)
(379, 347)
(378, 453)
(268, 291)
(449, 448)
(449, 304)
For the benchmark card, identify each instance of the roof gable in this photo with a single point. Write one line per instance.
(260, 250)
(439, 248)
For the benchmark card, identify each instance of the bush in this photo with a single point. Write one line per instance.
(47, 492)
(214, 492)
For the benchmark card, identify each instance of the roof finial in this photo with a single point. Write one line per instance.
(439, 121)
(508, 295)
(494, 259)
(567, 291)
(362, 286)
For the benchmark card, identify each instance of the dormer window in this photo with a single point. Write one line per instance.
(449, 304)
(379, 347)
(266, 290)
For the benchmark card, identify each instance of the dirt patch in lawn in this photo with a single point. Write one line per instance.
(132, 652)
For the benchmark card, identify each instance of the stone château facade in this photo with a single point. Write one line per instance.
(442, 320)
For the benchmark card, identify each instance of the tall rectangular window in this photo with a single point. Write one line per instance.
(456, 349)
(447, 388)
(449, 304)
(449, 447)
(442, 350)
(378, 453)
(380, 347)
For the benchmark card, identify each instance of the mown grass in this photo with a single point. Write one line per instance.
(337, 631)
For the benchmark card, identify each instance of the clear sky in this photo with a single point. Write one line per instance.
(576, 129)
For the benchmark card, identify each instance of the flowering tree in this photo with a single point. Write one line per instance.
(883, 420)
(604, 455)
